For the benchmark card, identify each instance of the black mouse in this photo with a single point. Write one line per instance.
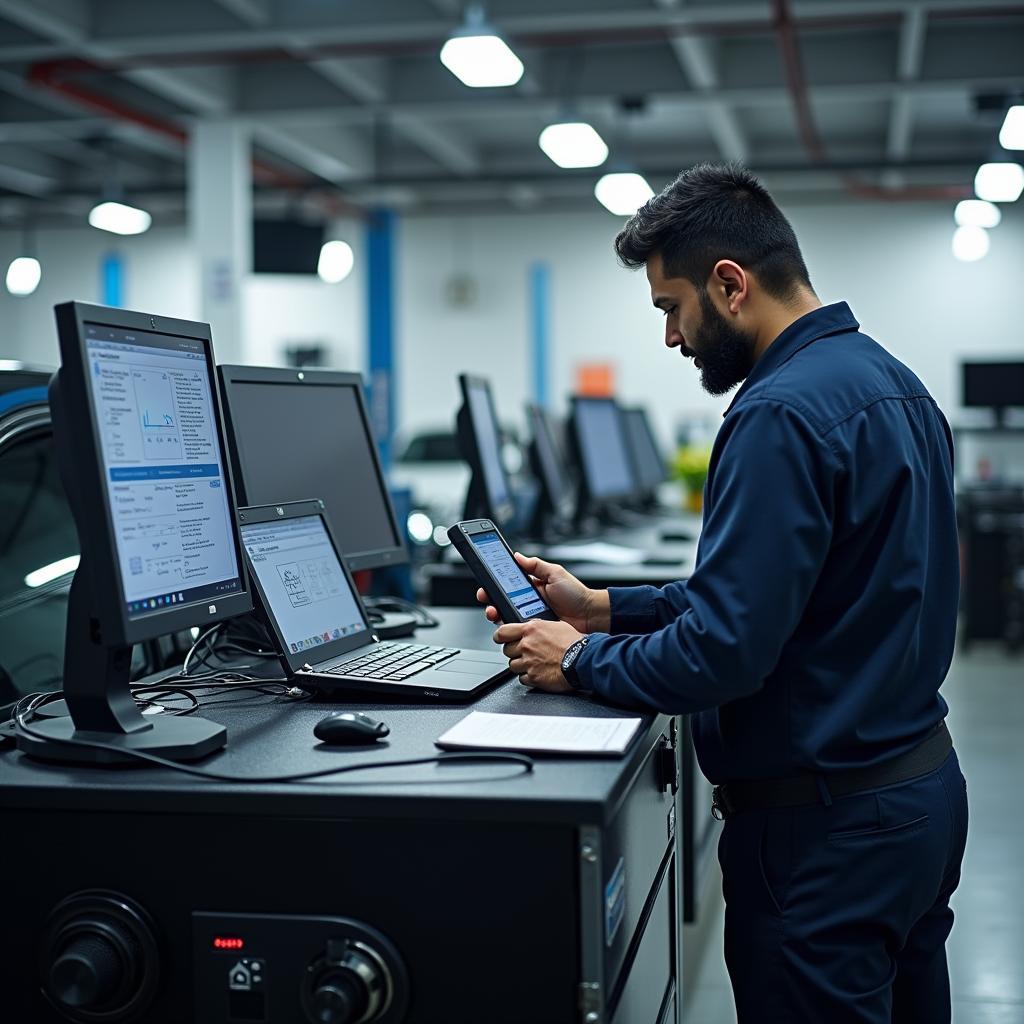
(349, 727)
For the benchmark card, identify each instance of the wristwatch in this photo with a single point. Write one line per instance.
(569, 659)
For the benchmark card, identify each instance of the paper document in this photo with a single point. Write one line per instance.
(482, 730)
(595, 551)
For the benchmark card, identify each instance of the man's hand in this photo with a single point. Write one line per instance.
(534, 650)
(586, 610)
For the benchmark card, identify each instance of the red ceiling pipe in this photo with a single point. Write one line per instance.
(785, 30)
(52, 75)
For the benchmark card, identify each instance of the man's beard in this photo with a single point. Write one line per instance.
(726, 354)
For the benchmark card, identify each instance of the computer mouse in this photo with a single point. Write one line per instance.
(349, 727)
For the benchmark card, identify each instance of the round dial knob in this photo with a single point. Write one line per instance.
(98, 958)
(340, 998)
(87, 973)
(349, 984)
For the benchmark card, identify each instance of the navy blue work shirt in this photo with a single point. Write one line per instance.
(819, 621)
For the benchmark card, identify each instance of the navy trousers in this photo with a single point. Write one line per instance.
(840, 913)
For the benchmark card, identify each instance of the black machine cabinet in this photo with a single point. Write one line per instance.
(396, 896)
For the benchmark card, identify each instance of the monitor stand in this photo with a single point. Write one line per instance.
(100, 705)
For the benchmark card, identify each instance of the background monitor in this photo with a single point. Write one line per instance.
(601, 444)
(286, 246)
(549, 464)
(993, 385)
(302, 434)
(648, 463)
(490, 492)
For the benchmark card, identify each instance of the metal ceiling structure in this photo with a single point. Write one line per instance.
(349, 103)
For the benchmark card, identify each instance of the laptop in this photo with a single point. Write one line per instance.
(317, 616)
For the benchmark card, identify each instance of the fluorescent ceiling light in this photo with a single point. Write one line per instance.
(970, 243)
(481, 60)
(1011, 135)
(977, 213)
(53, 571)
(23, 275)
(120, 218)
(999, 182)
(622, 193)
(336, 261)
(573, 144)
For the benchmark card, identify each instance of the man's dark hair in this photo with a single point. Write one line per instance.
(709, 213)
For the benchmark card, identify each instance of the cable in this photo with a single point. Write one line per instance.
(424, 620)
(21, 718)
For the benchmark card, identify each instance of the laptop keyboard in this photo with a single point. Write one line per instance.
(391, 661)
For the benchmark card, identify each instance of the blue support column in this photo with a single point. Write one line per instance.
(380, 277)
(540, 329)
(112, 279)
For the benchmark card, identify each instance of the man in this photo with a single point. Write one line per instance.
(811, 640)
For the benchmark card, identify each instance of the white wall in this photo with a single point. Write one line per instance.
(161, 277)
(892, 262)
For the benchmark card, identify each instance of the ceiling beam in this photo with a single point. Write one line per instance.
(334, 31)
(253, 12)
(911, 56)
(63, 21)
(366, 80)
(697, 60)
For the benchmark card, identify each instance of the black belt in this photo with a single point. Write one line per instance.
(802, 790)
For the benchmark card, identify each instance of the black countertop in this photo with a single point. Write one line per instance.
(268, 735)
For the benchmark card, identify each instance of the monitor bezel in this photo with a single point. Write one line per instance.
(91, 504)
(640, 413)
(614, 497)
(559, 500)
(502, 513)
(230, 375)
(252, 515)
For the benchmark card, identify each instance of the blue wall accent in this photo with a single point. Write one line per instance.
(540, 328)
(380, 295)
(112, 279)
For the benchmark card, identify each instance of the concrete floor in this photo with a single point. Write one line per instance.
(985, 691)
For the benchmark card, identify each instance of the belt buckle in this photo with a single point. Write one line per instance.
(721, 809)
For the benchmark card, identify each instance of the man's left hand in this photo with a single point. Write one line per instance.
(534, 650)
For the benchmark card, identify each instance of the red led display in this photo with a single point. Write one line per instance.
(223, 942)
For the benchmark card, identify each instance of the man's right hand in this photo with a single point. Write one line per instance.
(586, 610)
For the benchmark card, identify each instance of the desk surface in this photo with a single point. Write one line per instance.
(273, 736)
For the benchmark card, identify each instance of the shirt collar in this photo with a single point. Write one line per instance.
(835, 318)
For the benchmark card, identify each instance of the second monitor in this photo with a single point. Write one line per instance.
(301, 434)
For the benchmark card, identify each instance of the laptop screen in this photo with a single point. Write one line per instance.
(308, 592)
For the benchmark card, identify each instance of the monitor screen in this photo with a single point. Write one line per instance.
(993, 385)
(303, 582)
(647, 460)
(296, 439)
(602, 444)
(509, 576)
(163, 467)
(488, 442)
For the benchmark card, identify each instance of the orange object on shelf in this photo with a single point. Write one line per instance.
(595, 380)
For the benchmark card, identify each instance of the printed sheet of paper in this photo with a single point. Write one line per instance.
(555, 734)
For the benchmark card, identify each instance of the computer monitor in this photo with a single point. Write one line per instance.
(140, 442)
(549, 467)
(993, 385)
(648, 464)
(301, 434)
(490, 492)
(599, 440)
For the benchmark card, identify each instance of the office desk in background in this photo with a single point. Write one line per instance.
(542, 897)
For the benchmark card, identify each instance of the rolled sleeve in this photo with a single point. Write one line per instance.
(765, 538)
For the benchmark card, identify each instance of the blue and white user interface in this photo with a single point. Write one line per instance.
(510, 577)
(163, 467)
(303, 581)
